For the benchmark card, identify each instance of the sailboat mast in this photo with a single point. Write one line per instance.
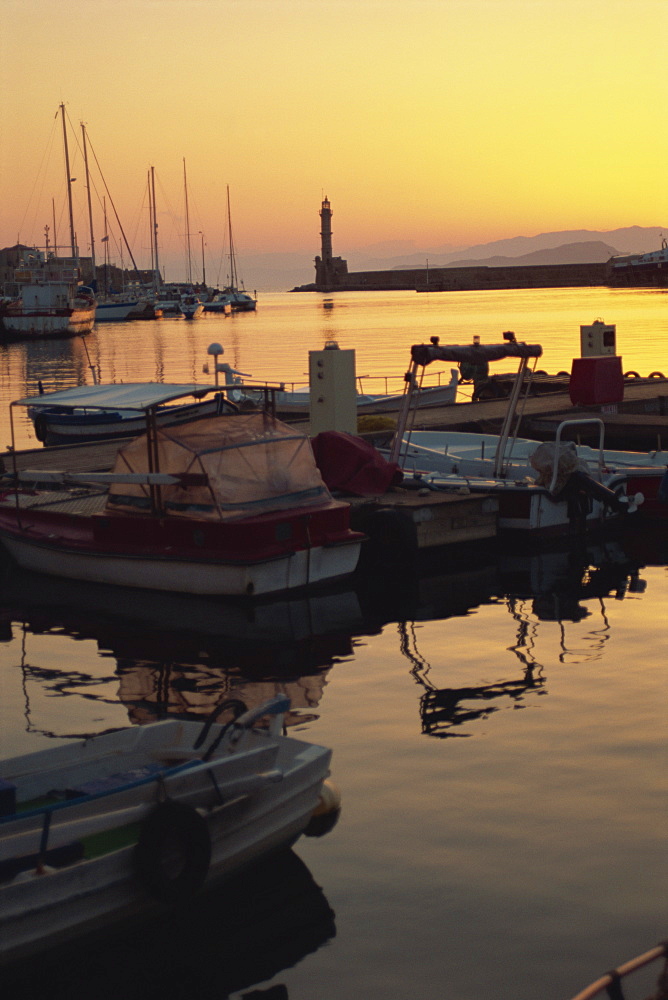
(106, 252)
(55, 233)
(150, 223)
(69, 182)
(233, 266)
(185, 188)
(156, 264)
(90, 206)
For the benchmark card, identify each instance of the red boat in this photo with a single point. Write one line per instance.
(231, 505)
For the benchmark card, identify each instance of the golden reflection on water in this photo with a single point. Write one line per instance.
(498, 729)
(272, 344)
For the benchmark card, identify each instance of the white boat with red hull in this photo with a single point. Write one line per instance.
(50, 302)
(562, 496)
(471, 456)
(231, 506)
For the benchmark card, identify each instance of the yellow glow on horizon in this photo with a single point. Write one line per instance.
(433, 121)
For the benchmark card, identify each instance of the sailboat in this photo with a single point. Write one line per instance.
(51, 299)
(110, 307)
(164, 302)
(191, 306)
(231, 298)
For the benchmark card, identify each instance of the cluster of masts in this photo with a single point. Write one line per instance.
(52, 247)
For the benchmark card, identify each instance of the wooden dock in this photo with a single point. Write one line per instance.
(434, 519)
(636, 424)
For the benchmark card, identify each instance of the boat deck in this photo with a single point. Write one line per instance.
(83, 502)
(98, 456)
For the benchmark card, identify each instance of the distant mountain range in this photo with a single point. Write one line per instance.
(628, 240)
(280, 272)
(587, 252)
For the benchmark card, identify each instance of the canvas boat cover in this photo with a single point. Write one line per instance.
(473, 354)
(240, 466)
(125, 395)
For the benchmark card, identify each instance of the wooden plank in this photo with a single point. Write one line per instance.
(98, 456)
(440, 518)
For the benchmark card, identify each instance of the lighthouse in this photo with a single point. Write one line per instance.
(329, 271)
(326, 233)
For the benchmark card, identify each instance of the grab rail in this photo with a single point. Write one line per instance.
(557, 441)
(611, 981)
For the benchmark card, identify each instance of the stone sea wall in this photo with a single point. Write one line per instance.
(450, 279)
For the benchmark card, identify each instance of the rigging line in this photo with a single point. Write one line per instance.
(41, 173)
(164, 199)
(140, 218)
(120, 225)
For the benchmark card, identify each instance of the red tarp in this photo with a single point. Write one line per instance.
(350, 464)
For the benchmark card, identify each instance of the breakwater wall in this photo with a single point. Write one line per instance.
(474, 278)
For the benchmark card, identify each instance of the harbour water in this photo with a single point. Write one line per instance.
(498, 725)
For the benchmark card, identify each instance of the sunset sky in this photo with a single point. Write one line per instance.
(436, 122)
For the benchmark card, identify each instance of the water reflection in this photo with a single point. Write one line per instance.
(248, 931)
(443, 710)
(542, 587)
(551, 586)
(57, 364)
(164, 655)
(176, 656)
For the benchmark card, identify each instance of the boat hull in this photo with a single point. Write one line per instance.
(63, 322)
(58, 427)
(115, 312)
(299, 569)
(190, 313)
(264, 555)
(292, 403)
(466, 460)
(279, 781)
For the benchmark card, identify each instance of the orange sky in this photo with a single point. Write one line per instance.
(433, 121)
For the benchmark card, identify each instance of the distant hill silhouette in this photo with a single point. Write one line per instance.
(631, 239)
(589, 252)
(279, 272)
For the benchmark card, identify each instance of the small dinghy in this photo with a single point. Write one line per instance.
(112, 826)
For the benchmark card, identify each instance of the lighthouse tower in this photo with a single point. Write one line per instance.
(329, 270)
(326, 233)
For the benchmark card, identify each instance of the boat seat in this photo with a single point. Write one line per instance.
(112, 781)
(175, 755)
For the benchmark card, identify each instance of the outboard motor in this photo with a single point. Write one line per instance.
(582, 482)
(574, 483)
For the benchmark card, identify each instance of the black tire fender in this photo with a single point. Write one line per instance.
(656, 375)
(40, 428)
(631, 375)
(173, 853)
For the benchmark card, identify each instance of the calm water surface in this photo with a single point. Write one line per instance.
(498, 728)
